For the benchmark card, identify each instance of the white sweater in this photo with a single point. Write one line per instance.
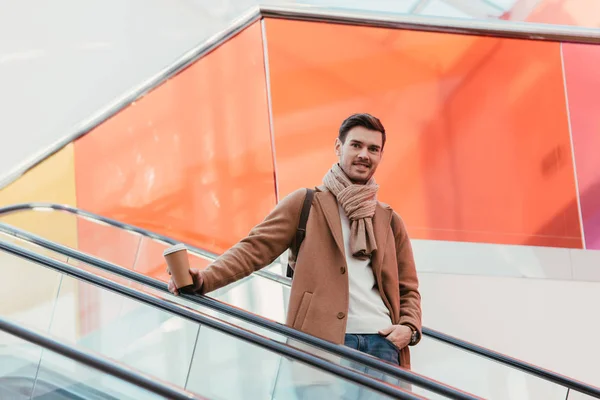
(366, 312)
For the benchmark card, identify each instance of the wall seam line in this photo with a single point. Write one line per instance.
(577, 192)
(270, 105)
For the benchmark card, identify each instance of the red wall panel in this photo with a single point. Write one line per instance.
(583, 89)
(478, 137)
(192, 159)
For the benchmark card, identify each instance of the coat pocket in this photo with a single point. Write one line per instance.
(302, 310)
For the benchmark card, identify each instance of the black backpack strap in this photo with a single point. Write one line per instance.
(301, 229)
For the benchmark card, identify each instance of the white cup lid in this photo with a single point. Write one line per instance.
(173, 249)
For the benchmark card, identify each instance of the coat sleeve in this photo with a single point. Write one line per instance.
(410, 298)
(265, 242)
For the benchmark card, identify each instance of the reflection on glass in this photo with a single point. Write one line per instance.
(138, 335)
(109, 243)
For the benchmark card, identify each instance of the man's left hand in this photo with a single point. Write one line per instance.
(400, 335)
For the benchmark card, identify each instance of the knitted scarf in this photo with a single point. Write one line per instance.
(358, 202)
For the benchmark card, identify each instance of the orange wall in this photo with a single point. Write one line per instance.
(478, 137)
(192, 159)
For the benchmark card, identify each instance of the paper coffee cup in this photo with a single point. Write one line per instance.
(178, 265)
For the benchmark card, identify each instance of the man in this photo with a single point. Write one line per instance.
(354, 277)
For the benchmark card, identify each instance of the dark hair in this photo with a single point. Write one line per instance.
(365, 120)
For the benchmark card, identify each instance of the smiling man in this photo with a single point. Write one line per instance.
(354, 281)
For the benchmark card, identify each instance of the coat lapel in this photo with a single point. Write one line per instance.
(330, 209)
(381, 225)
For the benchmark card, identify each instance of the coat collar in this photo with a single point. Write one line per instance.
(329, 205)
(381, 225)
(382, 228)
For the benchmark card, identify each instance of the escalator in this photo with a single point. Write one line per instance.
(181, 345)
(282, 365)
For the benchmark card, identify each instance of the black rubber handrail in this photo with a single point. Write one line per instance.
(464, 345)
(262, 322)
(227, 328)
(96, 361)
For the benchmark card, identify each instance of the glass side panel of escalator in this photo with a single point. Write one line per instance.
(267, 298)
(573, 395)
(28, 371)
(436, 360)
(174, 349)
(231, 293)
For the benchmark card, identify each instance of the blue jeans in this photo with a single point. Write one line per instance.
(375, 345)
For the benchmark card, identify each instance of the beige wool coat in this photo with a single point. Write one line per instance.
(319, 295)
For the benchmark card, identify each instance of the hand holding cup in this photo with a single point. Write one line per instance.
(178, 266)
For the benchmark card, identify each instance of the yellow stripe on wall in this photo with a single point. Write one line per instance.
(52, 181)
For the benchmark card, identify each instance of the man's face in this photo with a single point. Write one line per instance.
(360, 154)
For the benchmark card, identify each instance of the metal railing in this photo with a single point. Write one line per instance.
(249, 317)
(254, 319)
(233, 330)
(464, 26)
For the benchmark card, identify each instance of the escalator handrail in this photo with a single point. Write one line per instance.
(95, 361)
(343, 351)
(550, 376)
(231, 329)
